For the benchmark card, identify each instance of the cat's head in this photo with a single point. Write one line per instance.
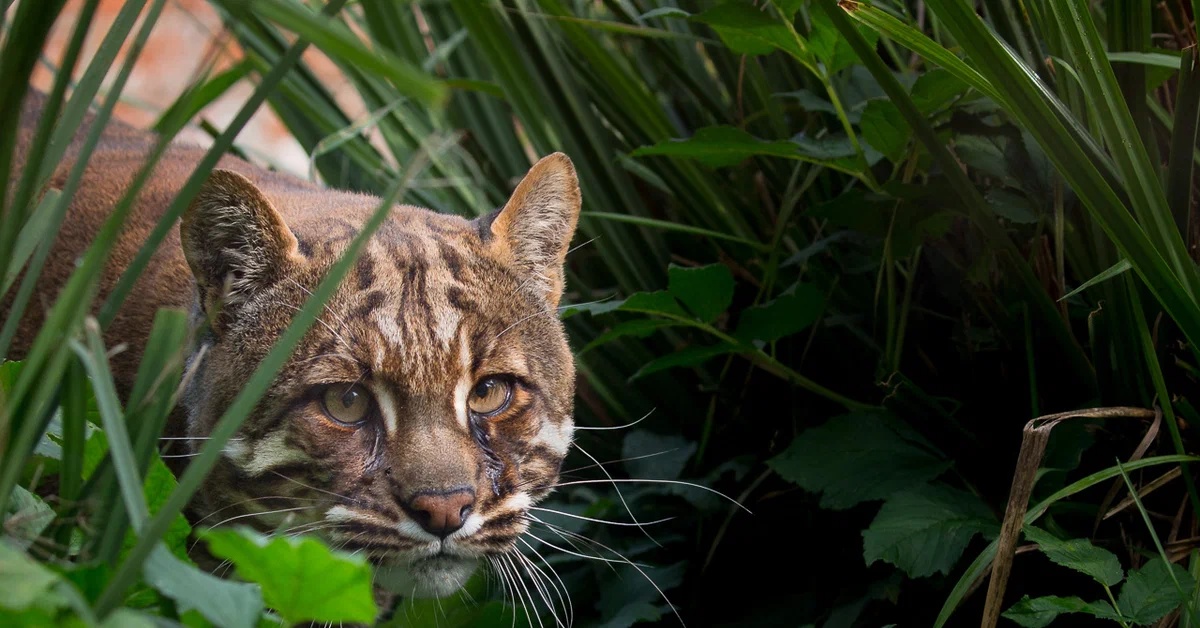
(428, 408)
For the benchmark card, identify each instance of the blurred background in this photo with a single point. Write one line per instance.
(834, 257)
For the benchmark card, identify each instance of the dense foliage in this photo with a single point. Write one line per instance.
(834, 257)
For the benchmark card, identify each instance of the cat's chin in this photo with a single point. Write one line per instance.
(434, 576)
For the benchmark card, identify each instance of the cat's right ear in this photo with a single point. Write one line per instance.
(234, 240)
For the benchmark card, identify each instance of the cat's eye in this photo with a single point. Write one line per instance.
(347, 404)
(490, 396)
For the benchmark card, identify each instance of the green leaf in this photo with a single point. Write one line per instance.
(638, 328)
(856, 458)
(1040, 611)
(792, 312)
(830, 47)
(692, 356)
(1080, 555)
(1011, 206)
(650, 455)
(935, 89)
(885, 129)
(925, 531)
(1150, 592)
(719, 146)
(27, 516)
(706, 291)
(747, 29)
(25, 582)
(222, 602)
(657, 302)
(301, 579)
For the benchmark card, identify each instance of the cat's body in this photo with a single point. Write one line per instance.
(422, 415)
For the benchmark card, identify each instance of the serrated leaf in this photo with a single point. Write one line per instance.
(830, 47)
(884, 128)
(657, 302)
(925, 531)
(792, 312)
(692, 356)
(1080, 555)
(935, 89)
(222, 602)
(1150, 593)
(706, 291)
(751, 30)
(27, 516)
(1011, 206)
(856, 458)
(638, 328)
(656, 456)
(1040, 611)
(301, 579)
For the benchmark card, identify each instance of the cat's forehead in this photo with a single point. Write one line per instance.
(426, 301)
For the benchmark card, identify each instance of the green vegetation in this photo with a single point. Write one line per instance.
(834, 257)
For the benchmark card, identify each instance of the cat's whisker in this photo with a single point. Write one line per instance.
(639, 569)
(568, 604)
(630, 459)
(194, 438)
(604, 521)
(536, 576)
(540, 272)
(327, 327)
(505, 593)
(617, 427)
(532, 607)
(260, 514)
(341, 321)
(319, 490)
(619, 495)
(522, 320)
(655, 481)
(565, 534)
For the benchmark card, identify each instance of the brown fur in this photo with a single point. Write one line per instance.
(434, 305)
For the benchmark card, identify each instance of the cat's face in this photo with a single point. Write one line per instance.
(430, 406)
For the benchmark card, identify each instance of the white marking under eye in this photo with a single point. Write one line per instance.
(556, 437)
(387, 408)
(270, 451)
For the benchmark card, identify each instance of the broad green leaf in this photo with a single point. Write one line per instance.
(751, 30)
(834, 150)
(935, 89)
(792, 312)
(27, 516)
(885, 129)
(1040, 611)
(1080, 555)
(856, 458)
(638, 328)
(665, 12)
(925, 531)
(1150, 592)
(657, 302)
(812, 102)
(706, 291)
(222, 602)
(301, 579)
(650, 455)
(692, 356)
(830, 47)
(1011, 206)
(568, 310)
(25, 582)
(719, 146)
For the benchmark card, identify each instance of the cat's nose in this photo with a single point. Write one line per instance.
(441, 512)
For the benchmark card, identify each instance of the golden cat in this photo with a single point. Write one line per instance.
(427, 410)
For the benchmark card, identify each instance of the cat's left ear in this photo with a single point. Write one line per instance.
(537, 224)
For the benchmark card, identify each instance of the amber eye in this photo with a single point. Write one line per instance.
(347, 403)
(490, 396)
